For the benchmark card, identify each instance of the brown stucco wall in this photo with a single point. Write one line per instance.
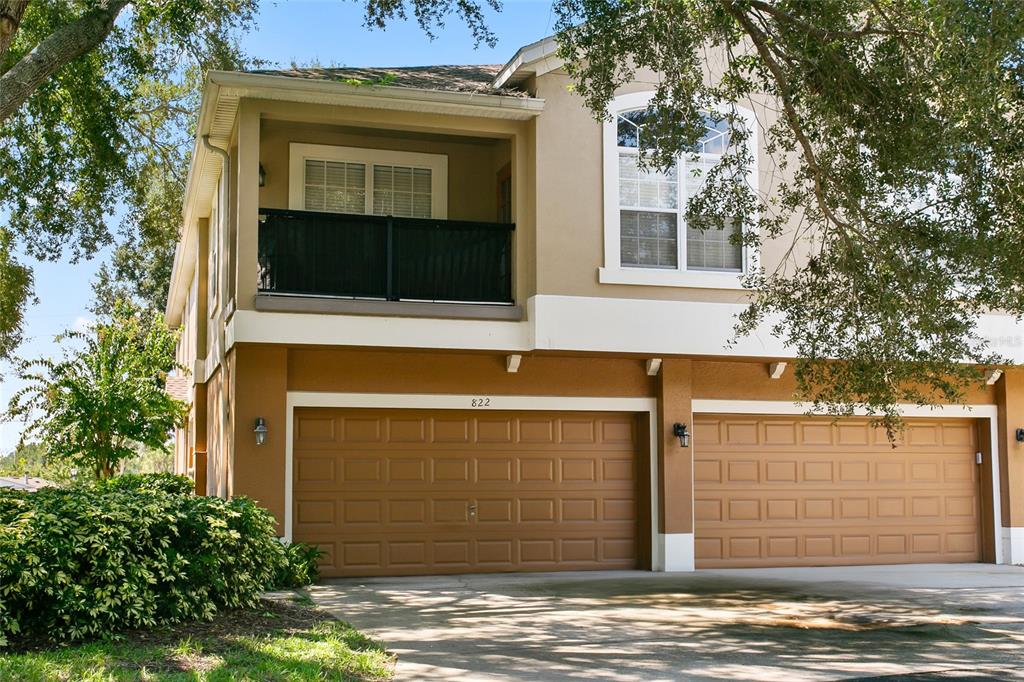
(263, 374)
(725, 380)
(1010, 393)
(261, 385)
(675, 463)
(422, 372)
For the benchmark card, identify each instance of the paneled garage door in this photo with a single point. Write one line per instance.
(402, 492)
(792, 491)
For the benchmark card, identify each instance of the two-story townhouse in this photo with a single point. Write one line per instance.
(438, 321)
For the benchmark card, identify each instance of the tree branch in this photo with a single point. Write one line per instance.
(11, 12)
(763, 45)
(54, 52)
(824, 34)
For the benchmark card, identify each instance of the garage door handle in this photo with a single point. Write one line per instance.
(472, 510)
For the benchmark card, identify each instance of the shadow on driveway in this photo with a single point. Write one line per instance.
(742, 625)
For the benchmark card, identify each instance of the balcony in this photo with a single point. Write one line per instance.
(379, 258)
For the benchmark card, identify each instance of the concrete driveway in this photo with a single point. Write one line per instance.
(926, 622)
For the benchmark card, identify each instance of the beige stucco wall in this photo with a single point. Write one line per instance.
(471, 162)
(477, 149)
(570, 196)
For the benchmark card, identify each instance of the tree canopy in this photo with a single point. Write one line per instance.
(98, 101)
(897, 127)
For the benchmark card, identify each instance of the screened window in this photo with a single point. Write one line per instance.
(401, 191)
(652, 204)
(368, 181)
(335, 186)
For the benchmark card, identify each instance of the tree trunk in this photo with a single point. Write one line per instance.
(11, 12)
(55, 51)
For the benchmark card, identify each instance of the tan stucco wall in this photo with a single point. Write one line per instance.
(471, 162)
(477, 149)
(216, 464)
(570, 197)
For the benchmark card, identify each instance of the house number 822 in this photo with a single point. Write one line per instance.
(480, 402)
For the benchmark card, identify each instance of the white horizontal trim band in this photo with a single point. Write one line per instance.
(786, 407)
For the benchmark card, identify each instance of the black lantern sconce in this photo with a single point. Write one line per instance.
(263, 176)
(679, 430)
(1020, 435)
(261, 430)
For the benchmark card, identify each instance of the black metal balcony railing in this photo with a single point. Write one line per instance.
(379, 257)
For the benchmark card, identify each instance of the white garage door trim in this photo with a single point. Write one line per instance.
(675, 551)
(989, 412)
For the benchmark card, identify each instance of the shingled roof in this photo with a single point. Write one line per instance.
(467, 78)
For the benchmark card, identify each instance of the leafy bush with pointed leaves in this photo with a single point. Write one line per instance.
(151, 483)
(137, 551)
(300, 566)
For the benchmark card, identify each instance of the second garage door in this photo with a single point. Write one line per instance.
(403, 492)
(789, 491)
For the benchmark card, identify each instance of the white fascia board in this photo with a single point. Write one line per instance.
(267, 86)
(184, 267)
(716, 406)
(536, 58)
(249, 326)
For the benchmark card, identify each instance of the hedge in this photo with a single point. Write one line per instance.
(132, 552)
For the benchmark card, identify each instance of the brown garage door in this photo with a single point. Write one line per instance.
(792, 491)
(402, 492)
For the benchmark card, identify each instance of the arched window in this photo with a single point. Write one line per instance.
(647, 237)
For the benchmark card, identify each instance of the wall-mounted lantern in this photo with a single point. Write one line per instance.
(263, 176)
(1020, 435)
(261, 430)
(679, 430)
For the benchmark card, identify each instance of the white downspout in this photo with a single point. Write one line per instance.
(222, 486)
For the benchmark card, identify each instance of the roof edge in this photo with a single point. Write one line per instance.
(534, 59)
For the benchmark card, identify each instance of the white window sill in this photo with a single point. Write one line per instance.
(670, 278)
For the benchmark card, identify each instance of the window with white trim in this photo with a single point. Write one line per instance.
(649, 238)
(369, 181)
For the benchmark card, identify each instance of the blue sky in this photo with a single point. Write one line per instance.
(325, 31)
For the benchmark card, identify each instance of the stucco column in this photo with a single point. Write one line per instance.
(261, 390)
(1010, 398)
(248, 205)
(675, 466)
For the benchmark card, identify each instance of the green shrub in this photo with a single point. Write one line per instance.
(134, 552)
(163, 483)
(300, 565)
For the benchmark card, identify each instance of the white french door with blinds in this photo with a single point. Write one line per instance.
(334, 179)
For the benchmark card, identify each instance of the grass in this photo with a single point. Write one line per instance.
(279, 641)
